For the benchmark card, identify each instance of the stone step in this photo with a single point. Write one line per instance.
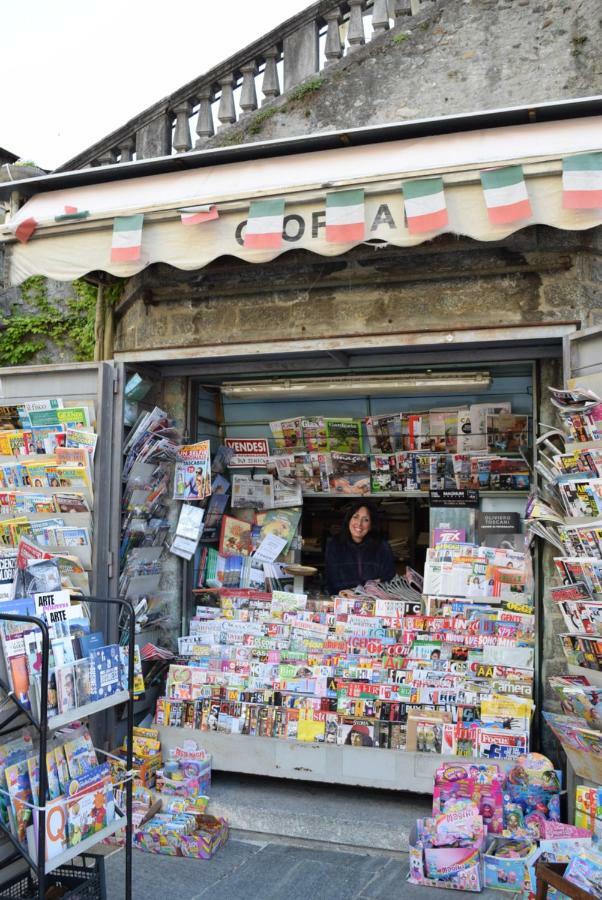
(349, 817)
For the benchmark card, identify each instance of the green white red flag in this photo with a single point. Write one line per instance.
(582, 181)
(345, 217)
(126, 245)
(196, 215)
(72, 213)
(265, 225)
(425, 206)
(24, 230)
(506, 195)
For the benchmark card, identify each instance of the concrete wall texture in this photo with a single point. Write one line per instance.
(455, 56)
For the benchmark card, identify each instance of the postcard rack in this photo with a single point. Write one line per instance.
(14, 721)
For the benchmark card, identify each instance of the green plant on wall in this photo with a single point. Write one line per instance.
(38, 323)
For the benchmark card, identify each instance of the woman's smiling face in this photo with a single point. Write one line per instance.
(359, 525)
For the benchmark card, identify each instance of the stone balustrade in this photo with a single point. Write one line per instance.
(302, 46)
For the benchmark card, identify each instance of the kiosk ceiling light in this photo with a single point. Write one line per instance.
(331, 386)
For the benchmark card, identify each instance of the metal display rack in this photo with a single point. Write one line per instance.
(41, 867)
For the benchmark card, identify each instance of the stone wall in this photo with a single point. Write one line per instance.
(537, 275)
(455, 56)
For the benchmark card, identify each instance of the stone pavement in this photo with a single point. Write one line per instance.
(246, 869)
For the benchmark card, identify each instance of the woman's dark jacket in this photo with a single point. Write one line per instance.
(349, 564)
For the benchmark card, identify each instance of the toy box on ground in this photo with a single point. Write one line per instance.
(445, 851)
(184, 834)
(505, 863)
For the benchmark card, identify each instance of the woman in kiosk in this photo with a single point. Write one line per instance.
(359, 553)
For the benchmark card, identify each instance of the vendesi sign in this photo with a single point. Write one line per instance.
(248, 452)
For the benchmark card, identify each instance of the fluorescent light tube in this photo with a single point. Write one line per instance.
(380, 385)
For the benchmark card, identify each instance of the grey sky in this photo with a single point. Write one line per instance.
(76, 69)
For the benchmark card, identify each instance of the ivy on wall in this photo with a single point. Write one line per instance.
(38, 323)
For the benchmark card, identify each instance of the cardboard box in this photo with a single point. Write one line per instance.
(457, 869)
(506, 873)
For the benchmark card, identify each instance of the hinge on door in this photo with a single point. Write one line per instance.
(115, 381)
(110, 563)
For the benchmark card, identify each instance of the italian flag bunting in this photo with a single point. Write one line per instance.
(196, 215)
(24, 230)
(425, 205)
(126, 245)
(582, 181)
(265, 225)
(71, 213)
(506, 195)
(345, 216)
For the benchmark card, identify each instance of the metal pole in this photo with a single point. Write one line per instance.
(43, 775)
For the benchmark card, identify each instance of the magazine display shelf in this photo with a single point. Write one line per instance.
(44, 727)
(394, 770)
(401, 495)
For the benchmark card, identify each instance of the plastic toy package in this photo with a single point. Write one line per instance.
(445, 851)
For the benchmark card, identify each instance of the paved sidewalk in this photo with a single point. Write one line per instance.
(255, 870)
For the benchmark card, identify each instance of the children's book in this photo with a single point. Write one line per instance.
(282, 523)
(235, 537)
(80, 754)
(105, 671)
(92, 805)
(56, 827)
(62, 768)
(19, 790)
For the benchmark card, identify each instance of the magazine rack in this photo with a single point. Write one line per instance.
(39, 866)
(552, 875)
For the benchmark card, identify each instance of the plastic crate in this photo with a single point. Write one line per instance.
(85, 882)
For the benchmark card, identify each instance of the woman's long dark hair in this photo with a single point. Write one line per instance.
(375, 533)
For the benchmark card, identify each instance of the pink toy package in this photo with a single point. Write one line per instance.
(483, 784)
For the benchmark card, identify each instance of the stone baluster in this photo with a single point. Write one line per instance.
(227, 111)
(355, 33)
(181, 140)
(126, 149)
(380, 16)
(248, 94)
(333, 49)
(270, 86)
(401, 10)
(108, 158)
(204, 122)
(415, 7)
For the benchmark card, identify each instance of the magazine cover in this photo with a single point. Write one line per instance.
(382, 473)
(344, 435)
(192, 479)
(350, 473)
(315, 437)
(384, 433)
(507, 433)
(235, 537)
(415, 434)
(65, 688)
